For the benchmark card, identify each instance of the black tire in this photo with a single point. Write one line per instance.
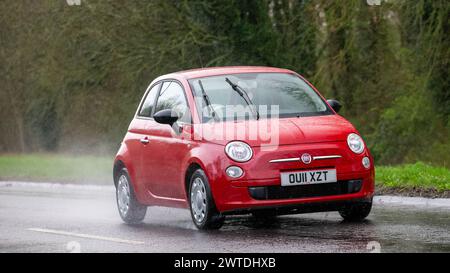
(135, 212)
(209, 217)
(356, 212)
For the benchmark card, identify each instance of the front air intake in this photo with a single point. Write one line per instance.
(304, 191)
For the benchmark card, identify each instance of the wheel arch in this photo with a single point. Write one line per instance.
(118, 166)
(192, 167)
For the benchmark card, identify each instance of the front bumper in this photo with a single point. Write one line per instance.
(244, 197)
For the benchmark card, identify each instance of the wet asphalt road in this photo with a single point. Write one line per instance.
(36, 219)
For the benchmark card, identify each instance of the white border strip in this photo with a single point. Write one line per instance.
(45, 185)
(412, 201)
(378, 200)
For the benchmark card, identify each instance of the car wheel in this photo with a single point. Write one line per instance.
(356, 212)
(130, 210)
(203, 209)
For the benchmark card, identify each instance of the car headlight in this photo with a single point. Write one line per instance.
(239, 151)
(355, 143)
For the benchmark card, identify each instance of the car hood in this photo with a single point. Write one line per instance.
(284, 131)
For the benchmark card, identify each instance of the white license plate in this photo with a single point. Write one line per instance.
(308, 177)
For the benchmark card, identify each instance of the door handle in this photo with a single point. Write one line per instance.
(145, 140)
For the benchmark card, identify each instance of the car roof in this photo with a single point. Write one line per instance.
(216, 71)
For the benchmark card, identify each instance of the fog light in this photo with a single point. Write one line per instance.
(234, 172)
(366, 162)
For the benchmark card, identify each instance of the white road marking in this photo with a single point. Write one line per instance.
(86, 236)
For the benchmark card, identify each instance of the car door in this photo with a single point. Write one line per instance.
(167, 149)
(140, 136)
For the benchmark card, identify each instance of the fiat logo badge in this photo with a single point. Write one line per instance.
(306, 158)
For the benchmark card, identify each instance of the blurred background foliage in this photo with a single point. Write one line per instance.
(71, 76)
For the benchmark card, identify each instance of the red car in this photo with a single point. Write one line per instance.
(239, 140)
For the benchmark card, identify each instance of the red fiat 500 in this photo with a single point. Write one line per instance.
(237, 140)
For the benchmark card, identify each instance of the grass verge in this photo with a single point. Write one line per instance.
(56, 168)
(417, 179)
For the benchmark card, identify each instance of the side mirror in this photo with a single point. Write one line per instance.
(166, 116)
(336, 105)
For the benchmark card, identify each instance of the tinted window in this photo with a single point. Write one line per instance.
(172, 97)
(147, 106)
(282, 94)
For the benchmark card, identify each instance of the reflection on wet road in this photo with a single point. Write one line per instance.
(49, 220)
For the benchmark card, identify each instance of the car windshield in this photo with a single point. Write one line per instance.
(249, 95)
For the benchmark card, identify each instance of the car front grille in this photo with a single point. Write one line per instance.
(303, 191)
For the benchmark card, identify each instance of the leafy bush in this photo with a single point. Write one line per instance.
(72, 76)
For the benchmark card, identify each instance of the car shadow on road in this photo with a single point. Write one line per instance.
(291, 223)
(238, 227)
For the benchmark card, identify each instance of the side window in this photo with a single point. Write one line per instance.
(147, 106)
(172, 97)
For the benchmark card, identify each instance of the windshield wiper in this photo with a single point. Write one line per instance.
(208, 102)
(245, 96)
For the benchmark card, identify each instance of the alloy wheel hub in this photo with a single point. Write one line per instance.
(198, 199)
(123, 195)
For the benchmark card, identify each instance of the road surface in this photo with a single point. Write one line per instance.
(84, 219)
